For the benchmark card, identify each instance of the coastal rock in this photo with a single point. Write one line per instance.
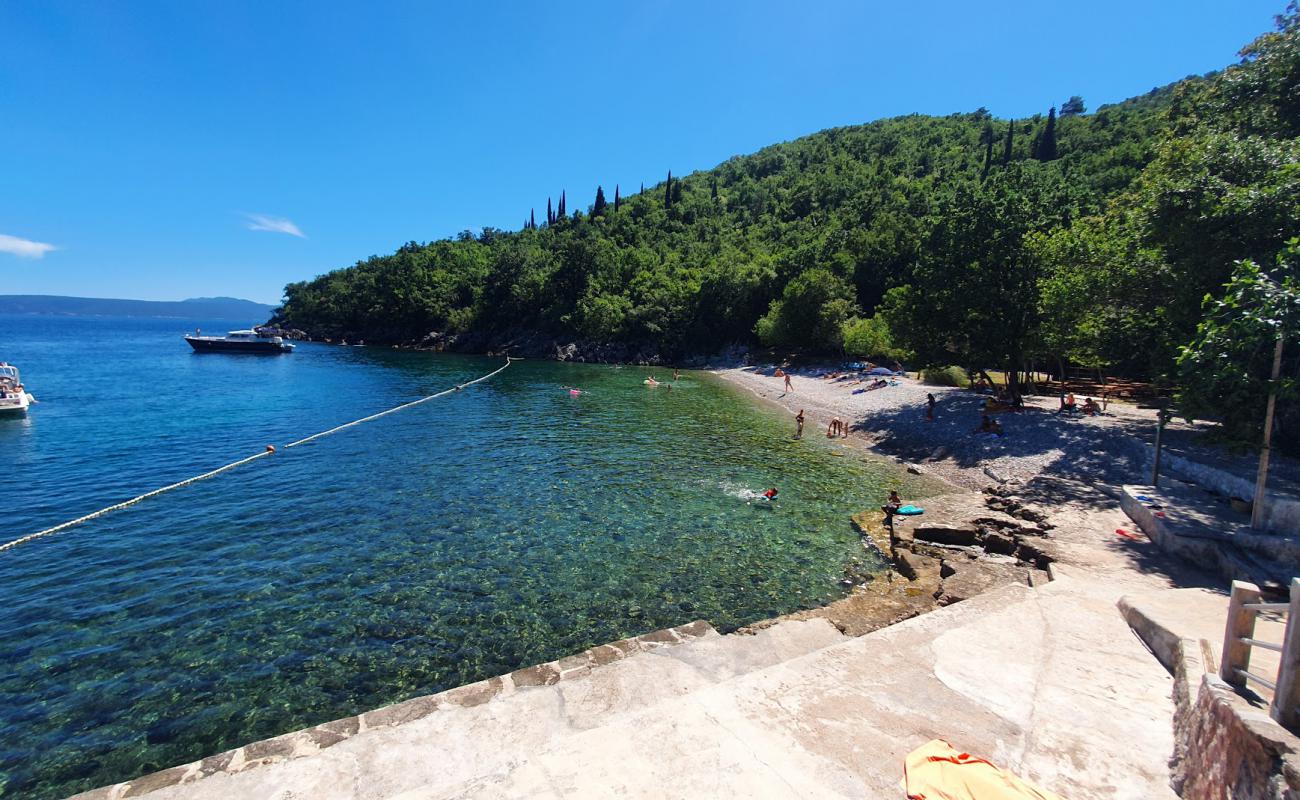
(966, 578)
(915, 469)
(999, 543)
(960, 535)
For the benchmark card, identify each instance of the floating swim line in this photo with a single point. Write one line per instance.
(268, 451)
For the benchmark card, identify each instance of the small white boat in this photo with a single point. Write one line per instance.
(14, 399)
(248, 341)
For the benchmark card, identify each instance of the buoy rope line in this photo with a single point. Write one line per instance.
(270, 450)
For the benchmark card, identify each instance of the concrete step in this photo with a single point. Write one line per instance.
(1184, 519)
(1047, 683)
(484, 728)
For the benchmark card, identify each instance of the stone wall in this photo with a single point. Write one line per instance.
(1224, 745)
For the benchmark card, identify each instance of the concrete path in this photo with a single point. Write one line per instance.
(1049, 683)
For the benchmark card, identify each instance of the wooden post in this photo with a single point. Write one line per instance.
(1241, 623)
(1155, 467)
(1286, 698)
(1257, 509)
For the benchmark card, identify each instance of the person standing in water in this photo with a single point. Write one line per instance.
(677, 373)
(798, 420)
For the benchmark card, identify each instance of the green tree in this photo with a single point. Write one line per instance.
(1045, 146)
(1073, 107)
(812, 312)
(599, 207)
(1227, 367)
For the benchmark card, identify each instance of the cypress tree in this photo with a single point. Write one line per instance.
(561, 212)
(987, 136)
(616, 198)
(532, 219)
(1047, 144)
(668, 191)
(713, 188)
(599, 207)
(642, 187)
(1006, 148)
(550, 215)
(677, 191)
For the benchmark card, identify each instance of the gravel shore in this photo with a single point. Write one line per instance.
(892, 420)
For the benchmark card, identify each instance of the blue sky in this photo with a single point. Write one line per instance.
(162, 150)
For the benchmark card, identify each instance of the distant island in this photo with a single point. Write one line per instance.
(214, 308)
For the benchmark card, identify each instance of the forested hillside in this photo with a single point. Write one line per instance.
(1100, 238)
(692, 264)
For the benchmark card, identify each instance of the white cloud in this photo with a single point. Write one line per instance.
(262, 222)
(24, 248)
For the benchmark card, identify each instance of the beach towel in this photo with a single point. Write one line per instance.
(935, 771)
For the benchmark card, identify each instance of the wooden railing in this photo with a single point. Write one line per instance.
(1239, 638)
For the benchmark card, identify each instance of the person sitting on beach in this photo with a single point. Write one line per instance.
(1090, 408)
(1067, 403)
(986, 424)
(892, 505)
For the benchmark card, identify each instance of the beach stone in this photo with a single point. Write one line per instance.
(915, 469)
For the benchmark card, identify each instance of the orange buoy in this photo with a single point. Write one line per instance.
(270, 448)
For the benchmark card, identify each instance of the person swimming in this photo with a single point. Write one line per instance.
(770, 494)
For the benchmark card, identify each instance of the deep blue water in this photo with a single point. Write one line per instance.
(490, 529)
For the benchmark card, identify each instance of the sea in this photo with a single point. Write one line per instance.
(507, 524)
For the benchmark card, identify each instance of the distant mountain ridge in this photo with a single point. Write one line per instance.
(231, 308)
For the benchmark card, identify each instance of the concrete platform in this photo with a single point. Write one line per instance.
(1162, 618)
(1190, 522)
(1046, 682)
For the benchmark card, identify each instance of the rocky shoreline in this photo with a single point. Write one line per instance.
(523, 343)
(967, 544)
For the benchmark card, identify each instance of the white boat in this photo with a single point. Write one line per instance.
(14, 398)
(240, 342)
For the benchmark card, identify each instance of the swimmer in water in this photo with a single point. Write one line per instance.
(677, 373)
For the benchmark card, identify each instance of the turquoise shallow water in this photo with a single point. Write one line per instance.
(487, 530)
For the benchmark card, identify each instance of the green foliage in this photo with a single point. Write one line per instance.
(1228, 365)
(812, 311)
(945, 376)
(694, 263)
(1095, 246)
(869, 337)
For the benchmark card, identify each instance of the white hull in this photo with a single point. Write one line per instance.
(15, 404)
